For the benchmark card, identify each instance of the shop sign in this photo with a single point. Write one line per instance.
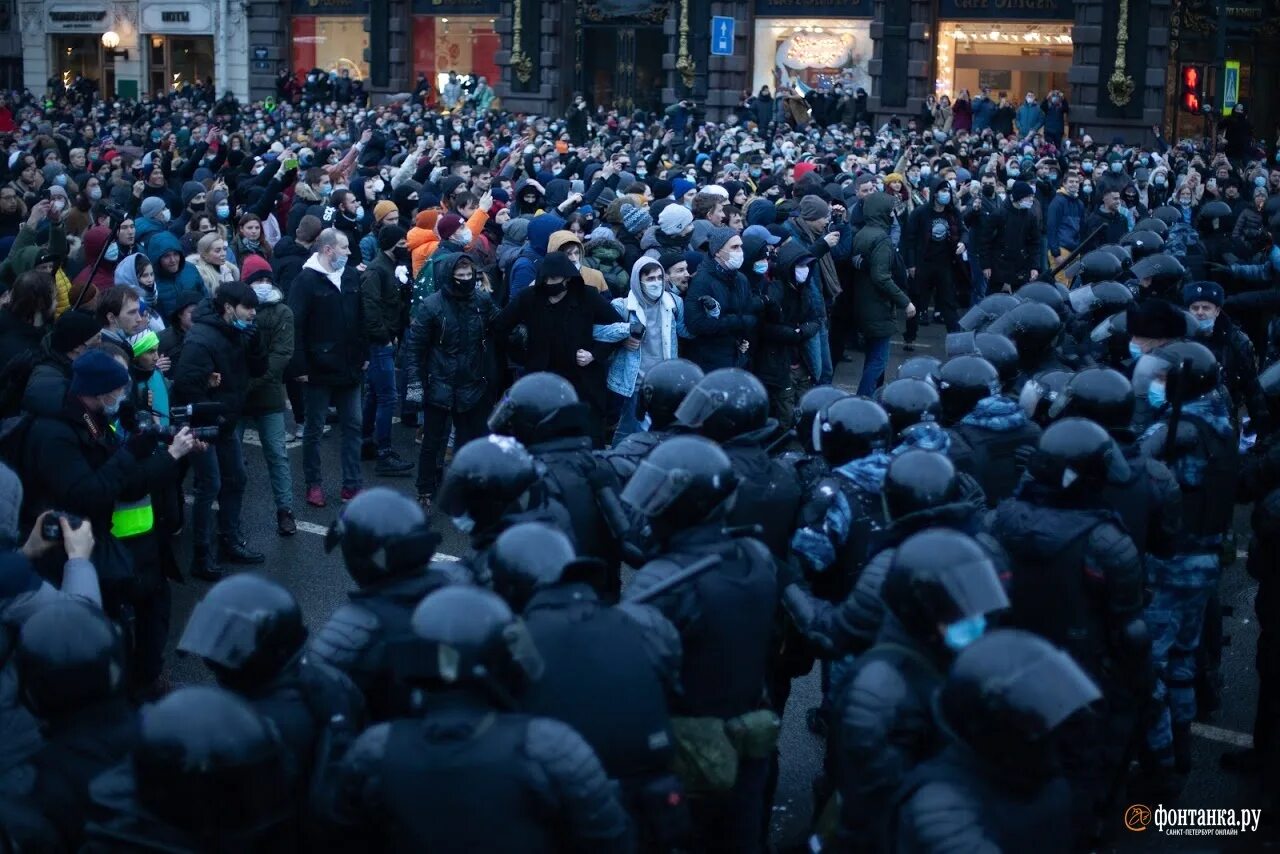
(1039, 10)
(456, 7)
(176, 18)
(330, 7)
(66, 18)
(813, 8)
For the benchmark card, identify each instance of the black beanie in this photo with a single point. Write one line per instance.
(73, 329)
(389, 236)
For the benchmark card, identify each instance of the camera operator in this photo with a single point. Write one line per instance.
(79, 461)
(222, 351)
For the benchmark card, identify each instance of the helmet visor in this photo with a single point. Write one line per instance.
(652, 490)
(699, 405)
(1270, 380)
(1052, 687)
(503, 415)
(1083, 300)
(1029, 398)
(975, 589)
(976, 319)
(962, 344)
(226, 638)
(1116, 324)
(1151, 369)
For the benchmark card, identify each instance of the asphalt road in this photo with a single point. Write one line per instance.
(320, 583)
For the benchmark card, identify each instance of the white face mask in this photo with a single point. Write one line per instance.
(802, 274)
(652, 290)
(462, 236)
(734, 261)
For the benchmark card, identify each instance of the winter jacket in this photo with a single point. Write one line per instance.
(1055, 115)
(330, 346)
(446, 345)
(275, 330)
(788, 319)
(1015, 244)
(1030, 119)
(961, 115)
(169, 286)
(984, 110)
(514, 235)
(47, 386)
(214, 346)
(525, 269)
(211, 275)
(605, 254)
(878, 290)
(287, 259)
(624, 367)
(103, 277)
(558, 242)
(1064, 221)
(717, 331)
(380, 297)
(17, 336)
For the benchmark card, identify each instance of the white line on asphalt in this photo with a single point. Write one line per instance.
(1225, 736)
(312, 528)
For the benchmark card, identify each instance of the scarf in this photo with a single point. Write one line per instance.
(826, 264)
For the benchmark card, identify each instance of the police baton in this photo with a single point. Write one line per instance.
(689, 573)
(1049, 275)
(1177, 384)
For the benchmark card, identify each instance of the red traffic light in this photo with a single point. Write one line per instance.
(1189, 96)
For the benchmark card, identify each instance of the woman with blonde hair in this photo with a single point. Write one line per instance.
(210, 261)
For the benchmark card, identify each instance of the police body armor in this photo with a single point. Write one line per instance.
(600, 680)
(627, 454)
(768, 494)
(571, 467)
(1132, 501)
(319, 692)
(435, 773)
(866, 537)
(1049, 589)
(994, 460)
(1012, 820)
(1208, 509)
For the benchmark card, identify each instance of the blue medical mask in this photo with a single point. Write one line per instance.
(113, 252)
(243, 325)
(112, 409)
(224, 211)
(1260, 181)
(960, 634)
(1156, 394)
(760, 267)
(1206, 323)
(1117, 167)
(1135, 352)
(944, 198)
(465, 524)
(339, 262)
(1086, 166)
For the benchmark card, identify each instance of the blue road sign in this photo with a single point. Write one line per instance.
(721, 36)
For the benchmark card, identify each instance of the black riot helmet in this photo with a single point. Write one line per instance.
(1000, 352)
(1102, 395)
(1045, 293)
(1121, 253)
(472, 640)
(206, 762)
(986, 311)
(683, 481)
(1188, 363)
(927, 368)
(68, 656)
(486, 477)
(1078, 455)
(247, 629)
(1006, 693)
(382, 533)
(850, 429)
(1031, 326)
(1164, 271)
(814, 401)
(1213, 217)
(963, 382)
(527, 557)
(726, 403)
(1101, 299)
(1142, 243)
(538, 407)
(1095, 266)
(1167, 214)
(1158, 227)
(918, 480)
(908, 401)
(1270, 382)
(663, 389)
(1039, 393)
(940, 576)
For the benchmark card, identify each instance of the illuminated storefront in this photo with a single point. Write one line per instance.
(1010, 57)
(456, 36)
(330, 35)
(814, 44)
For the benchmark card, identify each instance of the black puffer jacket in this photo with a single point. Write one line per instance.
(445, 345)
(48, 383)
(330, 347)
(287, 258)
(214, 346)
(789, 318)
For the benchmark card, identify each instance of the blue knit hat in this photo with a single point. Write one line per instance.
(94, 373)
(634, 219)
(680, 186)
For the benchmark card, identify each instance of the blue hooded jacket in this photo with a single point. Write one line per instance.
(525, 269)
(170, 286)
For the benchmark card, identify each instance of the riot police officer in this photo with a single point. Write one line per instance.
(683, 489)
(1095, 266)
(807, 462)
(387, 549)
(1231, 347)
(1034, 328)
(472, 774)
(937, 594)
(924, 368)
(207, 773)
(608, 671)
(1193, 434)
(997, 785)
(990, 434)
(492, 484)
(908, 401)
(248, 631)
(70, 666)
(662, 390)
(731, 407)
(542, 412)
(989, 309)
(1159, 276)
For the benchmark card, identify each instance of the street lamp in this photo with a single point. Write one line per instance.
(111, 40)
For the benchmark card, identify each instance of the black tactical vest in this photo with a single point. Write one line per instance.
(768, 495)
(386, 694)
(996, 463)
(1209, 509)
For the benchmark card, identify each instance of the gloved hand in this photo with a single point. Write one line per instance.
(1220, 269)
(808, 330)
(142, 444)
(413, 393)
(709, 303)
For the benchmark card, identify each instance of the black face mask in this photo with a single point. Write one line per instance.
(402, 255)
(989, 190)
(553, 290)
(461, 287)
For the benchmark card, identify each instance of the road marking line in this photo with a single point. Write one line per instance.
(1224, 736)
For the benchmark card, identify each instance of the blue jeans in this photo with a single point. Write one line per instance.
(817, 357)
(219, 474)
(873, 365)
(270, 429)
(627, 421)
(380, 395)
(347, 400)
(978, 282)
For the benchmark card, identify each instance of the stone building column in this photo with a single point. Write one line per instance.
(1095, 40)
(901, 66)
